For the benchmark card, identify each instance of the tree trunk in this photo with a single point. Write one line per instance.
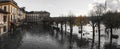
(111, 32)
(57, 30)
(62, 30)
(81, 30)
(61, 27)
(99, 35)
(71, 30)
(65, 28)
(93, 36)
(57, 25)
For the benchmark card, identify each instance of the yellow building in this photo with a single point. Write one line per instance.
(11, 7)
(3, 21)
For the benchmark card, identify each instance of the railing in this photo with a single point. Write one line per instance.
(1, 25)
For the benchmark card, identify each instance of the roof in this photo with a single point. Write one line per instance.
(38, 12)
(22, 9)
(4, 1)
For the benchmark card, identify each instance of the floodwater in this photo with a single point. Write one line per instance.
(37, 37)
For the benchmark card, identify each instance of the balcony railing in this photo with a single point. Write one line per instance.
(1, 25)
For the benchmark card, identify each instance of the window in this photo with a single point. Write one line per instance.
(11, 17)
(0, 30)
(5, 18)
(5, 8)
(0, 17)
(12, 9)
(14, 17)
(4, 29)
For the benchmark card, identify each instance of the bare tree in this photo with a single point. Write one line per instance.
(93, 23)
(80, 21)
(99, 9)
(111, 20)
(71, 19)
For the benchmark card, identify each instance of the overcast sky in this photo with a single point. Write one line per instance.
(58, 7)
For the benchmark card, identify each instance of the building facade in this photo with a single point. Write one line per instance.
(15, 17)
(21, 15)
(3, 21)
(36, 16)
(11, 7)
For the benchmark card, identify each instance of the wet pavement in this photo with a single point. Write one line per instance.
(37, 37)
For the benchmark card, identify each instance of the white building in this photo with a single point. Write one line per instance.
(37, 16)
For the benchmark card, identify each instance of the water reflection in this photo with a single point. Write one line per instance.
(12, 41)
(39, 37)
(71, 42)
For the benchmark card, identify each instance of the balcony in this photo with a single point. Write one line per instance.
(2, 25)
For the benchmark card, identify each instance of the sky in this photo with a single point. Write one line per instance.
(61, 7)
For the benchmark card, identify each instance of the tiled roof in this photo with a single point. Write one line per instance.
(3, 1)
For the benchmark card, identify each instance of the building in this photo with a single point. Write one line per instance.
(22, 15)
(11, 7)
(36, 16)
(3, 21)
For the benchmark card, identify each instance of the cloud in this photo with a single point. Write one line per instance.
(112, 5)
(91, 6)
(99, 1)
